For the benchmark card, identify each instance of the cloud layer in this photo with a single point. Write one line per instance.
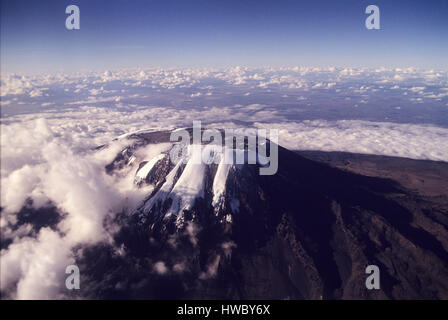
(51, 123)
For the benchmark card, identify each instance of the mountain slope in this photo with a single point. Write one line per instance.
(307, 232)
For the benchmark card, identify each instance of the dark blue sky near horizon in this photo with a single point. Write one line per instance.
(199, 33)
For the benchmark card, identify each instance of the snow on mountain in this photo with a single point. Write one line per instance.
(190, 184)
(201, 172)
(219, 183)
(185, 182)
(143, 172)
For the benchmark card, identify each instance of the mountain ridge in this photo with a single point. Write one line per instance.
(307, 232)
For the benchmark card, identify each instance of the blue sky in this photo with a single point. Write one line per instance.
(119, 33)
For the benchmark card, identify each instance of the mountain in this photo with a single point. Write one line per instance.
(223, 231)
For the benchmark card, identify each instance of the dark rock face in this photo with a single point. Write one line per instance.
(307, 232)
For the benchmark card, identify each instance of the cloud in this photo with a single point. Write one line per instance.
(160, 268)
(383, 138)
(35, 268)
(227, 247)
(192, 230)
(53, 123)
(211, 269)
(36, 93)
(41, 165)
(179, 267)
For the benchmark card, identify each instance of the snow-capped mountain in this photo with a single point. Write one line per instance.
(217, 230)
(200, 175)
